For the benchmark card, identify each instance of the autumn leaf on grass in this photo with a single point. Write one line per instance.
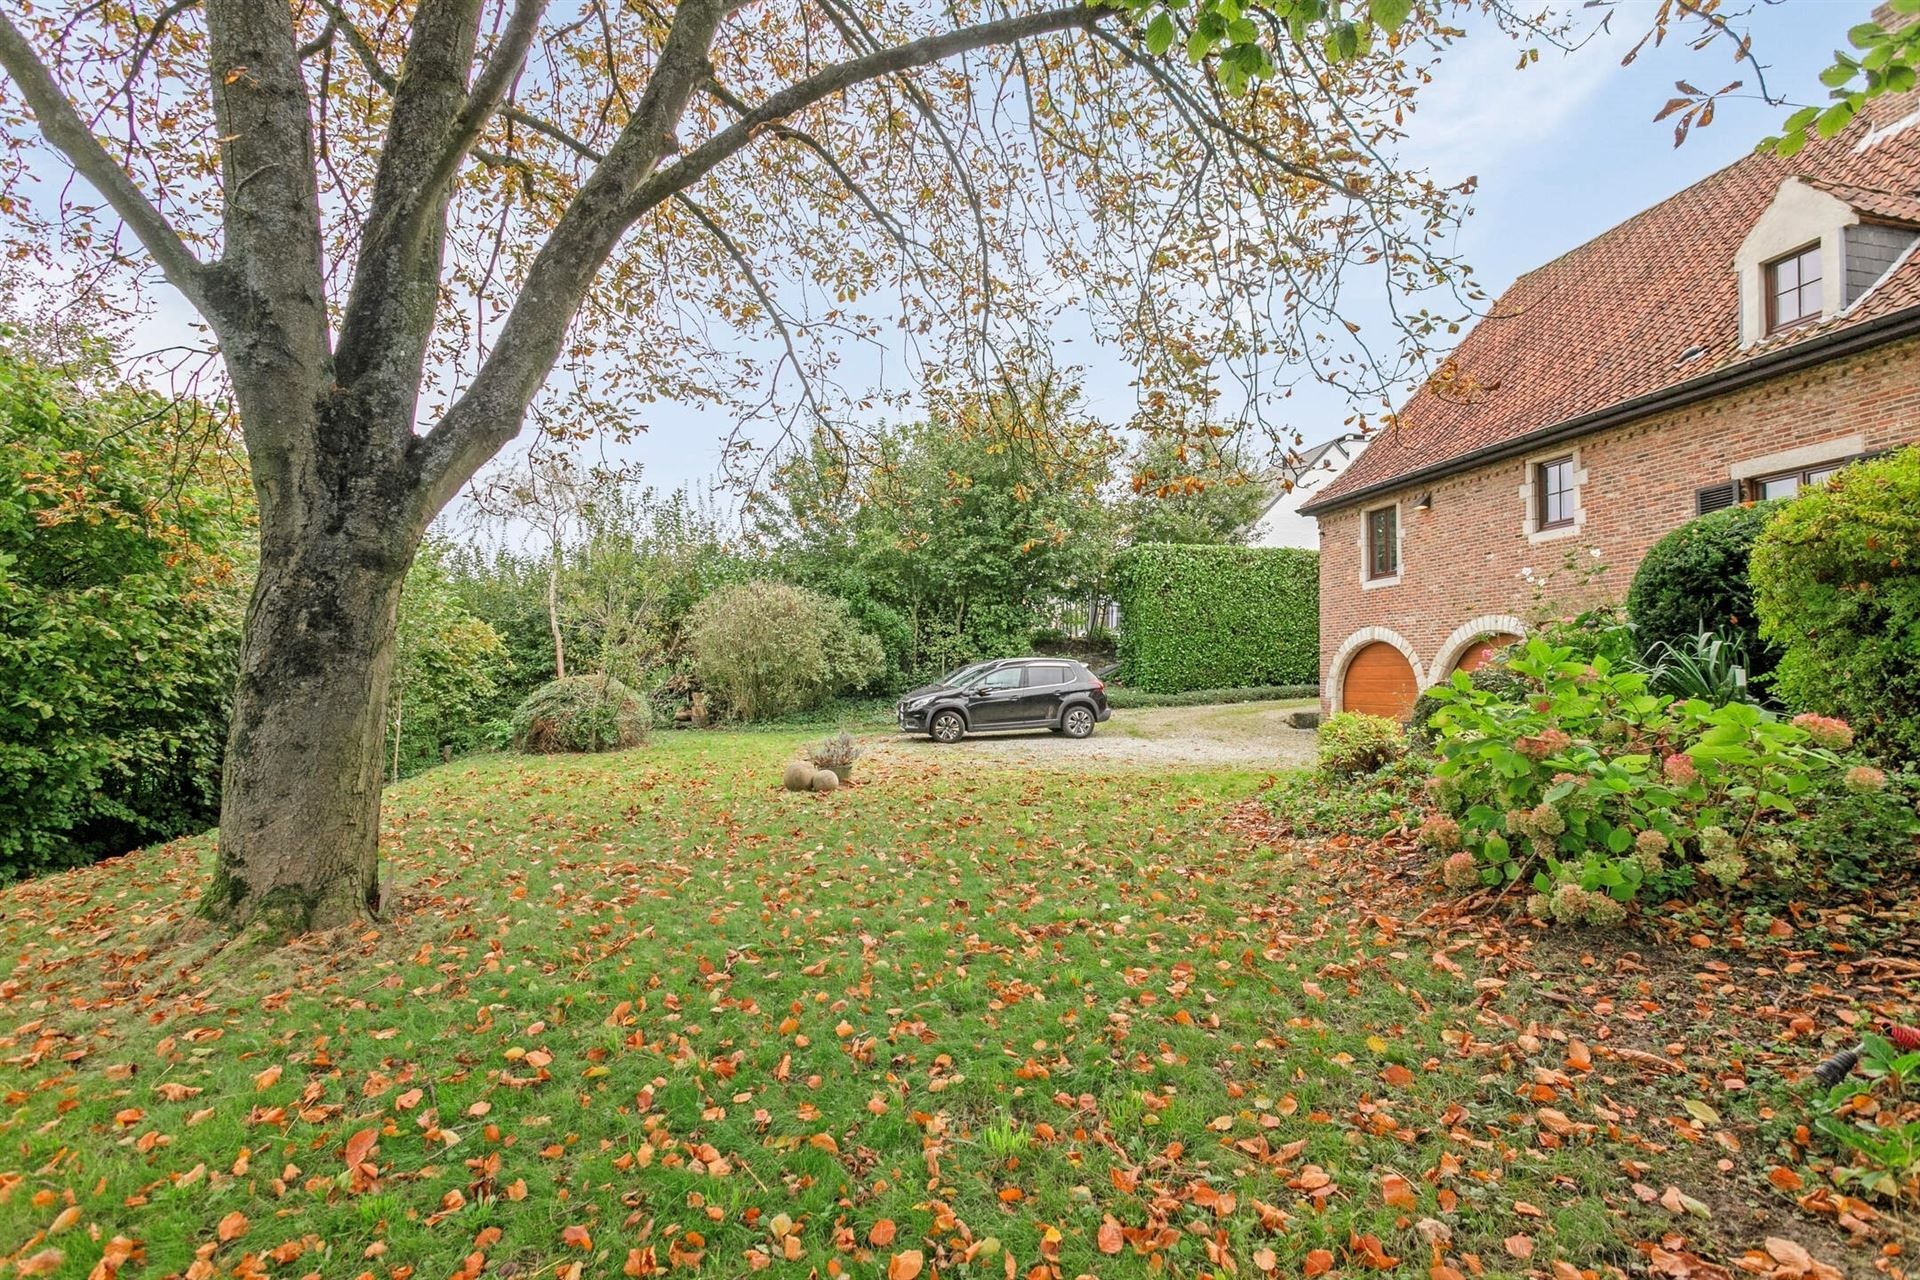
(268, 1078)
(905, 1266)
(882, 1233)
(576, 1237)
(1397, 1192)
(40, 1263)
(1109, 1237)
(231, 1227)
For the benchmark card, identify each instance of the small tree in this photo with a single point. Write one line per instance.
(765, 649)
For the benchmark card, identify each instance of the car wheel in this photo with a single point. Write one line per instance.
(948, 727)
(1078, 722)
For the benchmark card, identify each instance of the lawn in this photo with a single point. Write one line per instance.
(648, 1013)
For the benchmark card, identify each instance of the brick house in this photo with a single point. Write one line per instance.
(1738, 340)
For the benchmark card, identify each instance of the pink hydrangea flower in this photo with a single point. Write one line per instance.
(1679, 768)
(1864, 777)
(1460, 872)
(1440, 832)
(1826, 731)
(1542, 744)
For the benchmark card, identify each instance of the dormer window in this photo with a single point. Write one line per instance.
(1793, 288)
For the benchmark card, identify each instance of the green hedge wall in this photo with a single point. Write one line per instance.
(1197, 617)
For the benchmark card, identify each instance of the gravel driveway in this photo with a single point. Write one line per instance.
(1247, 734)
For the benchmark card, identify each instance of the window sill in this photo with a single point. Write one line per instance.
(1553, 533)
(1368, 584)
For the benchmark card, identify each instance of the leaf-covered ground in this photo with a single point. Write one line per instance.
(648, 1013)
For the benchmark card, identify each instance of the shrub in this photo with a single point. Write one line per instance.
(1201, 617)
(581, 714)
(1836, 581)
(1853, 830)
(1596, 787)
(1695, 580)
(1307, 803)
(1495, 678)
(1709, 665)
(122, 588)
(766, 649)
(1355, 742)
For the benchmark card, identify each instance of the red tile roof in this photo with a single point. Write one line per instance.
(1617, 319)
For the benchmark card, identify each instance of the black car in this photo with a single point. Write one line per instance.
(1008, 693)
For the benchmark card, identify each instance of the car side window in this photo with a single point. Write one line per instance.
(1004, 678)
(1042, 676)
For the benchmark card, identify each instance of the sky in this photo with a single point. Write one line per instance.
(1562, 151)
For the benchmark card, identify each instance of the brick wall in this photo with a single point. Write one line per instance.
(1464, 562)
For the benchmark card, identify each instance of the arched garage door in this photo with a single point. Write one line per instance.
(1379, 681)
(1479, 655)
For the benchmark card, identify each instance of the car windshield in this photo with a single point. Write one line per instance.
(965, 675)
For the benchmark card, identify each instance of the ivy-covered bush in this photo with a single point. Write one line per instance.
(581, 714)
(1205, 617)
(1354, 742)
(123, 577)
(1836, 580)
(1695, 580)
(764, 649)
(1595, 789)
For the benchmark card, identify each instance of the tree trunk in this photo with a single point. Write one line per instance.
(300, 804)
(553, 614)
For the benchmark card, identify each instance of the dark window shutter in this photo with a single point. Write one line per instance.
(1714, 497)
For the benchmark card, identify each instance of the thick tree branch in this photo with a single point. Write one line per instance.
(271, 310)
(67, 133)
(491, 85)
(390, 309)
(801, 94)
(490, 412)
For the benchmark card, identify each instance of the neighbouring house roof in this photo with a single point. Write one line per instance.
(1295, 478)
(1647, 314)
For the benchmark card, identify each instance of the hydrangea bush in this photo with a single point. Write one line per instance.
(1595, 790)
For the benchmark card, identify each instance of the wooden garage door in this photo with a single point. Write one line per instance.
(1380, 681)
(1481, 654)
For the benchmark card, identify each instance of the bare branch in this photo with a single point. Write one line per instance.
(62, 126)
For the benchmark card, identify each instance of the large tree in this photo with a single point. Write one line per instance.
(396, 218)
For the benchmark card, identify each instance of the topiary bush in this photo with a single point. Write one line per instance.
(1354, 742)
(1696, 579)
(581, 714)
(1203, 617)
(1836, 585)
(766, 649)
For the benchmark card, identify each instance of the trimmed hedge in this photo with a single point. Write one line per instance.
(1201, 617)
(1123, 699)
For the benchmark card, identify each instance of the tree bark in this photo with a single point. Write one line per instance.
(300, 802)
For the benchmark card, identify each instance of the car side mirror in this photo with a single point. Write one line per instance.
(978, 691)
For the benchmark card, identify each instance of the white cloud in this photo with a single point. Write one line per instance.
(1482, 111)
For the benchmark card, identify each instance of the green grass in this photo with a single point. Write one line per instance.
(654, 997)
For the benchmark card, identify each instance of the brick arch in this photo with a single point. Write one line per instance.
(1463, 638)
(1337, 669)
